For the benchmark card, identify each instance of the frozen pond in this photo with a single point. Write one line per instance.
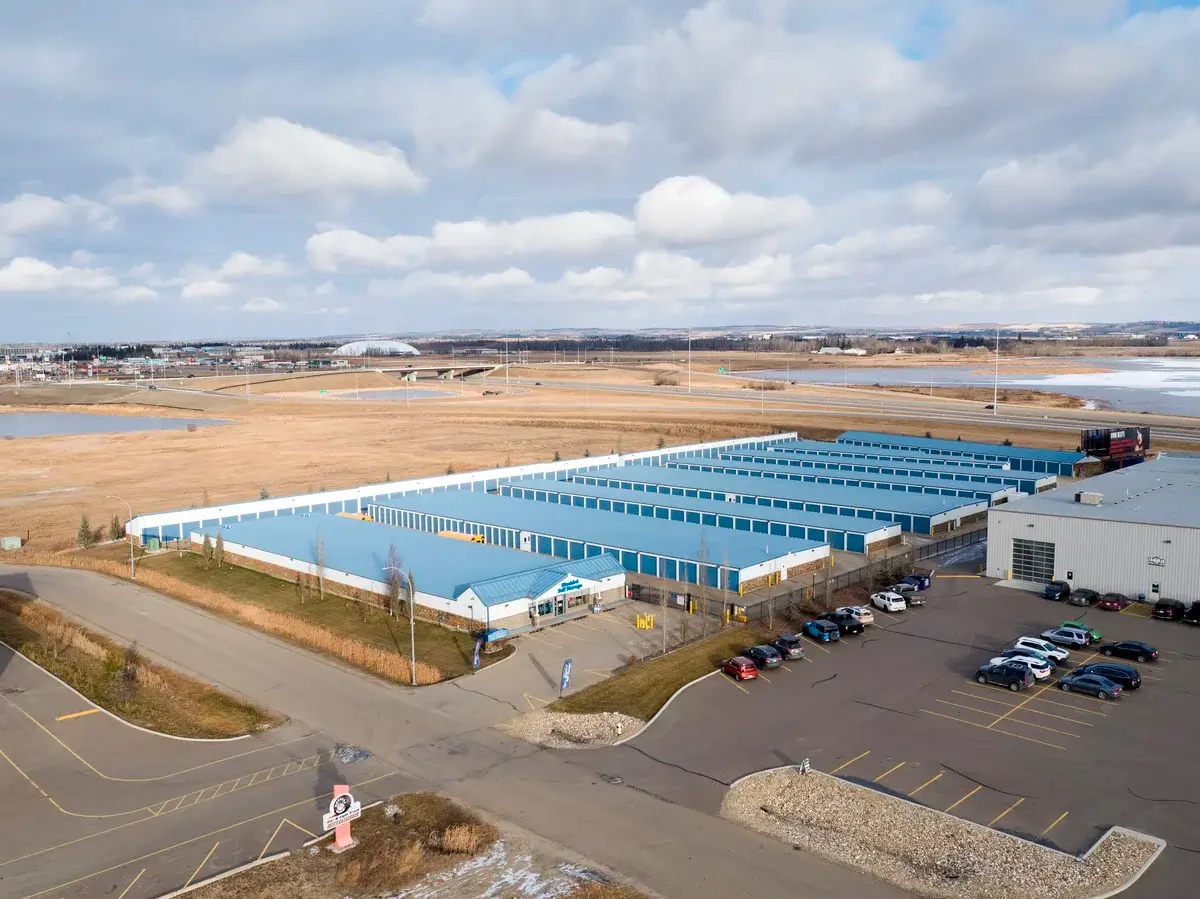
(1168, 386)
(59, 424)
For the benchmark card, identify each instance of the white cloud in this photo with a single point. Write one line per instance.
(174, 198)
(207, 288)
(693, 210)
(247, 265)
(262, 304)
(137, 293)
(142, 270)
(432, 283)
(28, 213)
(28, 275)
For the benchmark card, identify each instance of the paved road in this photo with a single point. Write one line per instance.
(433, 737)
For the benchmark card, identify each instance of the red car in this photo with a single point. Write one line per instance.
(740, 668)
(1113, 602)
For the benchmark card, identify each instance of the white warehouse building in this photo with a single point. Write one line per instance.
(1134, 531)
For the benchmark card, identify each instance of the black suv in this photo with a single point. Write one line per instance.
(846, 622)
(1192, 615)
(1057, 590)
(1170, 610)
(1125, 675)
(1007, 674)
(790, 646)
(1083, 597)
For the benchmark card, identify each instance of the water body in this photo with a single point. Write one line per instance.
(61, 424)
(416, 393)
(1167, 386)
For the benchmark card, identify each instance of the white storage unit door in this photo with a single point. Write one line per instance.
(1032, 560)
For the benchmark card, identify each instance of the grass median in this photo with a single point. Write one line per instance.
(640, 691)
(119, 679)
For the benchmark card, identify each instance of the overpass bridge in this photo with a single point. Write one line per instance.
(445, 372)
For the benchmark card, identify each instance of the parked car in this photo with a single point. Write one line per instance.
(1113, 602)
(740, 668)
(904, 588)
(1169, 610)
(764, 656)
(1057, 590)
(1093, 635)
(790, 646)
(1040, 667)
(1032, 653)
(862, 614)
(822, 631)
(923, 579)
(1130, 649)
(1082, 597)
(1125, 675)
(1192, 615)
(887, 601)
(1094, 684)
(1045, 647)
(1008, 674)
(1065, 636)
(845, 622)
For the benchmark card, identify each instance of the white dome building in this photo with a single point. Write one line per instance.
(377, 348)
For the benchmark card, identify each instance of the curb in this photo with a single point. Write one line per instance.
(116, 717)
(641, 730)
(230, 873)
(1159, 844)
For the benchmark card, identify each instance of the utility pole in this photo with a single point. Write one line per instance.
(689, 360)
(132, 571)
(996, 386)
(506, 365)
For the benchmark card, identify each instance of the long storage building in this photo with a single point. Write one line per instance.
(920, 513)
(674, 551)
(846, 451)
(1019, 458)
(841, 532)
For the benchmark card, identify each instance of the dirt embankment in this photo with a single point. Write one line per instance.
(1008, 396)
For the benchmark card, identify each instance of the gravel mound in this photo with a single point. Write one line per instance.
(922, 850)
(565, 730)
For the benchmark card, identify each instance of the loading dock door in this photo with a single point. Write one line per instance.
(1032, 560)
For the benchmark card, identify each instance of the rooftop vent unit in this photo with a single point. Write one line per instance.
(1089, 499)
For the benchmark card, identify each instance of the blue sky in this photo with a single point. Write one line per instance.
(294, 167)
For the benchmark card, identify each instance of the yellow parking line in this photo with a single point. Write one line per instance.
(202, 864)
(764, 677)
(927, 783)
(76, 715)
(529, 699)
(785, 667)
(992, 823)
(983, 698)
(816, 644)
(964, 799)
(889, 771)
(967, 707)
(1055, 730)
(1057, 821)
(726, 677)
(560, 632)
(542, 640)
(1034, 711)
(851, 762)
(131, 883)
(1076, 708)
(1015, 707)
(1083, 696)
(985, 727)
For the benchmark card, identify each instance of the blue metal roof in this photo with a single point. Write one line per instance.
(671, 539)
(441, 566)
(819, 448)
(531, 584)
(793, 516)
(892, 501)
(958, 480)
(963, 446)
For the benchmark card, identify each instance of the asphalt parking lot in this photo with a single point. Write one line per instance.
(98, 808)
(897, 708)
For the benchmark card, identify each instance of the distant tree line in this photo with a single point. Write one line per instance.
(93, 351)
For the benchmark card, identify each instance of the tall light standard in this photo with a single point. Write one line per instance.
(689, 360)
(132, 570)
(412, 627)
(996, 385)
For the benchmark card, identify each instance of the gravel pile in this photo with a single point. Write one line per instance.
(564, 730)
(918, 849)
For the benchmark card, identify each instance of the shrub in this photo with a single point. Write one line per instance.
(662, 379)
(264, 493)
(466, 839)
(116, 530)
(661, 443)
(86, 536)
(1007, 442)
(557, 456)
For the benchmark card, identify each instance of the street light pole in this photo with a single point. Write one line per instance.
(996, 385)
(132, 570)
(412, 627)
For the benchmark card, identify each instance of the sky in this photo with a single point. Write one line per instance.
(274, 168)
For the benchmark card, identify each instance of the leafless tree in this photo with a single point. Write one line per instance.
(206, 549)
(395, 578)
(722, 589)
(219, 550)
(410, 591)
(662, 608)
(702, 556)
(320, 557)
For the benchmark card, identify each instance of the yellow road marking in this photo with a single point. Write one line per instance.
(202, 864)
(76, 715)
(559, 632)
(131, 883)
(1019, 705)
(1057, 821)
(213, 833)
(927, 783)
(529, 699)
(992, 823)
(814, 643)
(1074, 695)
(982, 698)
(600, 672)
(1053, 730)
(726, 677)
(851, 762)
(542, 640)
(967, 707)
(1074, 708)
(889, 771)
(985, 727)
(964, 799)
(764, 677)
(785, 667)
(278, 828)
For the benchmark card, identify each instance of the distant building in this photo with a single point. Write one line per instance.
(377, 348)
(829, 351)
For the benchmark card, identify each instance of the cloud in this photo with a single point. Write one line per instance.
(174, 198)
(202, 283)
(136, 293)
(247, 265)
(27, 213)
(432, 283)
(693, 210)
(262, 304)
(208, 288)
(28, 275)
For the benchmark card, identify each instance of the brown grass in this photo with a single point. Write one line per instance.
(604, 891)
(385, 663)
(465, 838)
(119, 679)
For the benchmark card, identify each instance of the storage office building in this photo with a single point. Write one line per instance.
(1019, 458)
(920, 513)
(839, 531)
(845, 451)
(674, 551)
(928, 469)
(992, 494)
(1134, 531)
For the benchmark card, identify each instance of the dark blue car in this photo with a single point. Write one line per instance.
(822, 631)
(919, 579)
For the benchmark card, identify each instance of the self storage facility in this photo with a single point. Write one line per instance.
(1019, 458)
(845, 451)
(920, 513)
(840, 531)
(675, 551)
